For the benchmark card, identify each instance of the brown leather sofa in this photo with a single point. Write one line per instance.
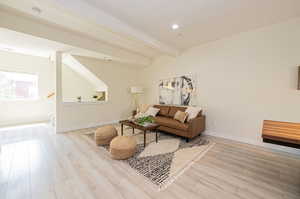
(191, 129)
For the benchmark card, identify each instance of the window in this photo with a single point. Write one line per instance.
(18, 86)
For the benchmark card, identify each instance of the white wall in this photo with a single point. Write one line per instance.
(18, 112)
(74, 85)
(118, 77)
(242, 80)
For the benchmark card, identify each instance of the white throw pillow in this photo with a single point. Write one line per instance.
(192, 112)
(143, 108)
(152, 111)
(138, 115)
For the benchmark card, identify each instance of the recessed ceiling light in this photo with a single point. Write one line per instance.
(175, 26)
(36, 10)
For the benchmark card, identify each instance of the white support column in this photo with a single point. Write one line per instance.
(58, 91)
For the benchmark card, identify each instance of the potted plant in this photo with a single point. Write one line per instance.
(147, 120)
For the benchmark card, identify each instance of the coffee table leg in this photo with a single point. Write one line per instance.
(122, 129)
(156, 136)
(144, 139)
(132, 130)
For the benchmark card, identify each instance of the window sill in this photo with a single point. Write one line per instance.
(20, 100)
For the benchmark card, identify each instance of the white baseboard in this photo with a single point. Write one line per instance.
(63, 130)
(254, 142)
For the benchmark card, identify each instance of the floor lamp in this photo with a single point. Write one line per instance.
(135, 91)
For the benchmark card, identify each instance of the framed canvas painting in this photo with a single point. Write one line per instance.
(177, 90)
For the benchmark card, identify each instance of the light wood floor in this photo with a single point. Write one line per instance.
(37, 164)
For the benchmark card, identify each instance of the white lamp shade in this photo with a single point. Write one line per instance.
(136, 89)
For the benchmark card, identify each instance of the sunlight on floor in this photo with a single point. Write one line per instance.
(12, 128)
(20, 154)
(20, 150)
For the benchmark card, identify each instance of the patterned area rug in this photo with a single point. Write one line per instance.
(164, 161)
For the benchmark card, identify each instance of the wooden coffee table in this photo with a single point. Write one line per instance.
(152, 127)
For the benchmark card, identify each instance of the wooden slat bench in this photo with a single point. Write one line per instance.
(283, 133)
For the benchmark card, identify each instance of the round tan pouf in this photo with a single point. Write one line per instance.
(122, 147)
(105, 134)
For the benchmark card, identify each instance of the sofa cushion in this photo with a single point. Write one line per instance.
(192, 112)
(151, 112)
(181, 116)
(173, 110)
(163, 110)
(171, 123)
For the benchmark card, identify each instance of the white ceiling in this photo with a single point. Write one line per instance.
(144, 27)
(26, 44)
(16, 42)
(200, 21)
(79, 16)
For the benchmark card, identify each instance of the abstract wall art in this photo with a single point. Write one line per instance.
(177, 91)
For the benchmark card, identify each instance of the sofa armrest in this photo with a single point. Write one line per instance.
(196, 126)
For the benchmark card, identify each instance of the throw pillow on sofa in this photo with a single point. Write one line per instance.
(152, 111)
(143, 108)
(180, 116)
(139, 114)
(192, 112)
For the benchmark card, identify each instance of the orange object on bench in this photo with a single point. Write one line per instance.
(286, 132)
(50, 95)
